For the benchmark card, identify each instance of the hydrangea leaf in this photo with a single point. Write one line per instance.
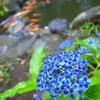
(36, 61)
(19, 88)
(93, 93)
(63, 98)
(47, 97)
(95, 79)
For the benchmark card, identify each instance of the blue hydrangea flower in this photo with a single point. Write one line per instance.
(82, 50)
(63, 72)
(65, 43)
(36, 96)
(98, 44)
(98, 34)
(91, 41)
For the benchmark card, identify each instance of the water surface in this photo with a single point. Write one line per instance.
(64, 9)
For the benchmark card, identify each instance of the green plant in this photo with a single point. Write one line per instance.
(3, 8)
(4, 74)
(6, 77)
(30, 84)
(89, 28)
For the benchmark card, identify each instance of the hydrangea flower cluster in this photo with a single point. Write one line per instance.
(63, 73)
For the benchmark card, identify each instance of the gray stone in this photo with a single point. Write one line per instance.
(43, 32)
(93, 15)
(39, 42)
(74, 33)
(8, 53)
(58, 25)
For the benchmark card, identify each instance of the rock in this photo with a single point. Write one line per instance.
(5, 42)
(53, 43)
(74, 33)
(23, 47)
(3, 49)
(40, 42)
(93, 15)
(58, 25)
(13, 7)
(43, 32)
(14, 30)
(8, 53)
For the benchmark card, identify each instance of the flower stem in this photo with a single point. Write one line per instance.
(89, 65)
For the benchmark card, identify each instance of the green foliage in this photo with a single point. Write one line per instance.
(93, 93)
(3, 10)
(16, 62)
(95, 79)
(4, 74)
(88, 28)
(93, 49)
(19, 88)
(36, 61)
(47, 97)
(30, 84)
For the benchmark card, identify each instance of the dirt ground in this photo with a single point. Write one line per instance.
(18, 73)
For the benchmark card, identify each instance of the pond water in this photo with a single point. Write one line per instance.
(64, 9)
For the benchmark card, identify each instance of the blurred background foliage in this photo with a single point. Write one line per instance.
(3, 8)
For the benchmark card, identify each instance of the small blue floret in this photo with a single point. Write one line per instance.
(82, 50)
(36, 96)
(98, 34)
(98, 44)
(91, 41)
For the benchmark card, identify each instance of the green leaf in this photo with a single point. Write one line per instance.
(63, 98)
(47, 97)
(95, 79)
(5, 9)
(87, 28)
(19, 88)
(28, 85)
(93, 93)
(1, 13)
(36, 61)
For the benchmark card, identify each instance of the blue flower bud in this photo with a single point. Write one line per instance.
(91, 41)
(98, 44)
(98, 34)
(82, 50)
